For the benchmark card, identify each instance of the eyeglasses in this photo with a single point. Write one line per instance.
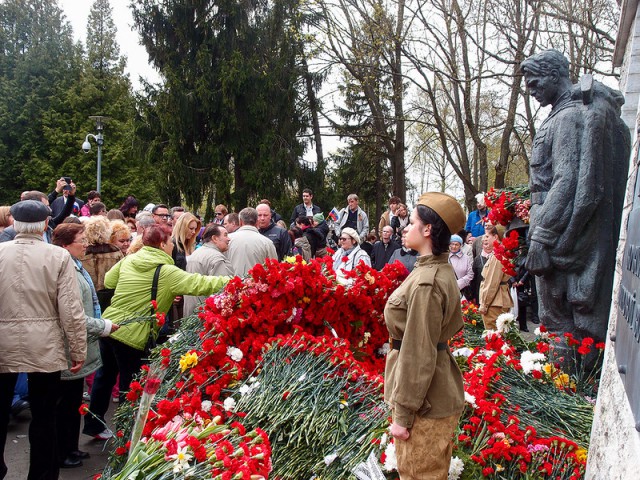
(218, 214)
(166, 216)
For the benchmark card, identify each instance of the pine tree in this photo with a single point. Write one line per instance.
(228, 115)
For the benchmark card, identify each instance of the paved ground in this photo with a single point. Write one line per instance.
(17, 452)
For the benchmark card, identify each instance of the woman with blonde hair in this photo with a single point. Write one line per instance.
(185, 232)
(100, 255)
(120, 235)
(184, 235)
(5, 218)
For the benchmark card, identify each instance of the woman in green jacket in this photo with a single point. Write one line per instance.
(132, 279)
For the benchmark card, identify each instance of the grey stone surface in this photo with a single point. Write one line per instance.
(614, 451)
(17, 450)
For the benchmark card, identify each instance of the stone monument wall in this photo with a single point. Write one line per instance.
(614, 453)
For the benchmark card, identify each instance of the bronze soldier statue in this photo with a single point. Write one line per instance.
(578, 172)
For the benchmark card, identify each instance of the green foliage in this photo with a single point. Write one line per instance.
(49, 88)
(226, 121)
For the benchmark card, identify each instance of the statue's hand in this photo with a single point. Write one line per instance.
(538, 260)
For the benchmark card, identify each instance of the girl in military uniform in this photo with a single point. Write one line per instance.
(423, 384)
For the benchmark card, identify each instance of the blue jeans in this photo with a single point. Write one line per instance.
(22, 388)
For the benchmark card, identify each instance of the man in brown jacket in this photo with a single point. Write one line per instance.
(40, 312)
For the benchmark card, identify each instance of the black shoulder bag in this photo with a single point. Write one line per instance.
(151, 341)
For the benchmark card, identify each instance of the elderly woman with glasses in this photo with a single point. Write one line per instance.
(349, 255)
(220, 212)
(73, 239)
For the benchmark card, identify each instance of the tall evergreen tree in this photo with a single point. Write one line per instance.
(38, 61)
(228, 113)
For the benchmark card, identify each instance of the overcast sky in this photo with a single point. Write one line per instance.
(77, 13)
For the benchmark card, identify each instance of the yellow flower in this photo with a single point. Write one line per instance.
(548, 368)
(562, 380)
(292, 260)
(499, 468)
(581, 455)
(188, 360)
(306, 299)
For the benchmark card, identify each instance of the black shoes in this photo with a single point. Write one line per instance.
(79, 455)
(71, 462)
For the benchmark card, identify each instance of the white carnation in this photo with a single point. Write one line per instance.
(504, 322)
(391, 462)
(234, 353)
(229, 404)
(245, 390)
(206, 405)
(531, 361)
(470, 399)
(462, 352)
(455, 468)
(384, 349)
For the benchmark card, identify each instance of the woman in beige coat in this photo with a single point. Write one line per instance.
(494, 291)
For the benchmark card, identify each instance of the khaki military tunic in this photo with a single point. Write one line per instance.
(422, 377)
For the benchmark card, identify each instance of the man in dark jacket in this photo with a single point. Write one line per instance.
(9, 233)
(279, 236)
(306, 208)
(383, 249)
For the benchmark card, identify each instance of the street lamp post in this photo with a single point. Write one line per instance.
(86, 146)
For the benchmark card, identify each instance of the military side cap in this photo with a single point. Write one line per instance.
(30, 211)
(446, 207)
(318, 217)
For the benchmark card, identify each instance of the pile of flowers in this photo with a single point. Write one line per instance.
(280, 377)
(214, 352)
(525, 417)
(505, 205)
(508, 203)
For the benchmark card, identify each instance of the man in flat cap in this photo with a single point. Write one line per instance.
(40, 312)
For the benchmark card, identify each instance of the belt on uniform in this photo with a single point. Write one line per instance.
(396, 344)
(538, 198)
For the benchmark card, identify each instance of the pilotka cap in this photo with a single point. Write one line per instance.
(446, 207)
(30, 211)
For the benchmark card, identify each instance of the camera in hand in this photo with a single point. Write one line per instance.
(67, 187)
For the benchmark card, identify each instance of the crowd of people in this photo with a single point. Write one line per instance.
(120, 260)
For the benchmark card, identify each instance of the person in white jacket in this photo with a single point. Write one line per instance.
(349, 255)
(354, 217)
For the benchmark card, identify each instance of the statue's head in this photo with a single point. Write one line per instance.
(546, 74)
